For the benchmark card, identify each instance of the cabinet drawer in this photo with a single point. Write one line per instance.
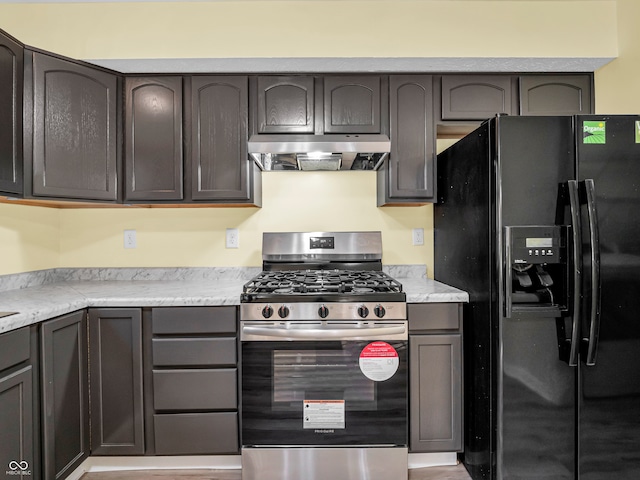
(433, 316)
(196, 433)
(190, 320)
(195, 389)
(170, 352)
(14, 347)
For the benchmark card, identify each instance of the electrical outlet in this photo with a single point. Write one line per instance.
(418, 236)
(233, 238)
(130, 239)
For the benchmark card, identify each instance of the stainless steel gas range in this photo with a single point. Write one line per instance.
(324, 361)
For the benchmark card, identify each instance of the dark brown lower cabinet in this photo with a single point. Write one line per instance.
(196, 433)
(18, 413)
(195, 381)
(435, 380)
(65, 394)
(117, 415)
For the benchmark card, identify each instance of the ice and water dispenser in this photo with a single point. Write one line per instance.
(536, 270)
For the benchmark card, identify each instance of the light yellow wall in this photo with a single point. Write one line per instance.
(346, 28)
(296, 201)
(618, 83)
(36, 238)
(29, 238)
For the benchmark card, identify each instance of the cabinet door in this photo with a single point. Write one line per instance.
(475, 97)
(352, 104)
(11, 85)
(408, 175)
(556, 94)
(219, 132)
(16, 423)
(65, 398)
(74, 130)
(285, 104)
(153, 138)
(117, 416)
(435, 389)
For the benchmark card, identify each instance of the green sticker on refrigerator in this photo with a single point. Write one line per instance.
(594, 132)
(637, 131)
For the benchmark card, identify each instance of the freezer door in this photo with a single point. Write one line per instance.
(536, 408)
(608, 153)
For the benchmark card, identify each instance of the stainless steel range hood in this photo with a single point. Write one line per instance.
(319, 152)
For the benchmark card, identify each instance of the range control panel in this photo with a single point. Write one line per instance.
(537, 244)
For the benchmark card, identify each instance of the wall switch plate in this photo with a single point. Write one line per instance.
(418, 236)
(233, 238)
(130, 240)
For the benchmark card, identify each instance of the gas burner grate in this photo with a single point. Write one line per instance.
(320, 282)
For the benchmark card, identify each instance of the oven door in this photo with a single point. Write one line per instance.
(300, 389)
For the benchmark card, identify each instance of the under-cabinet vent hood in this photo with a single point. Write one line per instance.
(319, 152)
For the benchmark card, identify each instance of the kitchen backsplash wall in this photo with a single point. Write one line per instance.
(29, 238)
(36, 238)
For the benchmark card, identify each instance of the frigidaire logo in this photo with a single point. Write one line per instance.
(18, 468)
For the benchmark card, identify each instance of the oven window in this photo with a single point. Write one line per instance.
(300, 375)
(316, 393)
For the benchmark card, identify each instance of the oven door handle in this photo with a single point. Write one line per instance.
(323, 334)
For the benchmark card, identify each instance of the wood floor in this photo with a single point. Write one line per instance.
(431, 473)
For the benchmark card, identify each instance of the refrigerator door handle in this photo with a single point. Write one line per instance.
(576, 227)
(590, 344)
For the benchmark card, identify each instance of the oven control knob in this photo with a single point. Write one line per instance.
(283, 311)
(363, 311)
(267, 311)
(379, 311)
(323, 311)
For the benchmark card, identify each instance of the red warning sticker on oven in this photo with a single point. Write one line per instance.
(379, 361)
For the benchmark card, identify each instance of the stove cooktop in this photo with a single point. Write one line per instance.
(322, 285)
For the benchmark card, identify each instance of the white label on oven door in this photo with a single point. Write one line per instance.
(379, 361)
(323, 414)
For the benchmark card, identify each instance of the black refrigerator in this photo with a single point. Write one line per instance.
(538, 219)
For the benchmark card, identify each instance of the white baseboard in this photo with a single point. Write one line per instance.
(217, 462)
(106, 464)
(440, 459)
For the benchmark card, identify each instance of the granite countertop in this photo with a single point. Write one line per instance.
(39, 296)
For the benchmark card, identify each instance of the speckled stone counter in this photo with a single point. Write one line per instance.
(38, 296)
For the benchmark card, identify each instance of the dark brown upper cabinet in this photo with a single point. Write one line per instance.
(352, 104)
(219, 161)
(75, 123)
(285, 104)
(407, 177)
(556, 94)
(153, 138)
(11, 85)
(475, 97)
